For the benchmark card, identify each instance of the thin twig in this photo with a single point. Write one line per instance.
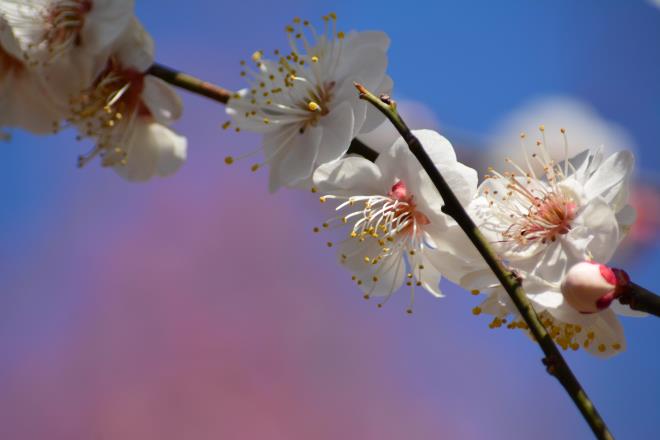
(190, 83)
(555, 363)
(643, 300)
(222, 95)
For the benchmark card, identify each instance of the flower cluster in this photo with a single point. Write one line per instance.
(554, 223)
(84, 63)
(542, 226)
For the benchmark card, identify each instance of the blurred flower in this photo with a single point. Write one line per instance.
(397, 226)
(128, 112)
(24, 101)
(49, 29)
(585, 127)
(577, 210)
(305, 103)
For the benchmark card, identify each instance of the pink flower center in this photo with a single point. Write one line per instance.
(547, 218)
(407, 208)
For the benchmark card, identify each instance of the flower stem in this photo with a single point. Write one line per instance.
(638, 298)
(554, 361)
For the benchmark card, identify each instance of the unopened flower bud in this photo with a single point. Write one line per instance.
(589, 287)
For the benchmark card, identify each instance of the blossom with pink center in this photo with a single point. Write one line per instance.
(304, 102)
(541, 226)
(127, 113)
(397, 230)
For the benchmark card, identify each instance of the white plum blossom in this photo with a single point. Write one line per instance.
(50, 29)
(392, 210)
(543, 225)
(598, 333)
(128, 112)
(304, 101)
(24, 101)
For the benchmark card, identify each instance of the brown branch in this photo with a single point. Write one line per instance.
(554, 361)
(190, 83)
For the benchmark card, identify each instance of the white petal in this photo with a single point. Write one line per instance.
(337, 133)
(135, 48)
(611, 179)
(161, 99)
(296, 161)
(349, 176)
(598, 220)
(105, 23)
(436, 146)
(153, 149)
(449, 265)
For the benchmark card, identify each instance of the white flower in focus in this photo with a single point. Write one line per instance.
(127, 112)
(24, 101)
(543, 225)
(305, 103)
(396, 229)
(48, 29)
(599, 333)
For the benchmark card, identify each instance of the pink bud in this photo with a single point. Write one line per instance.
(589, 287)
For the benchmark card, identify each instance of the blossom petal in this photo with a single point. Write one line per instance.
(599, 222)
(296, 161)
(161, 99)
(349, 176)
(611, 180)
(153, 149)
(106, 22)
(337, 133)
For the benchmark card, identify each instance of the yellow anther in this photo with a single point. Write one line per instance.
(315, 59)
(475, 291)
(313, 106)
(229, 160)
(329, 244)
(340, 35)
(322, 199)
(257, 56)
(602, 348)
(476, 311)
(255, 167)
(226, 125)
